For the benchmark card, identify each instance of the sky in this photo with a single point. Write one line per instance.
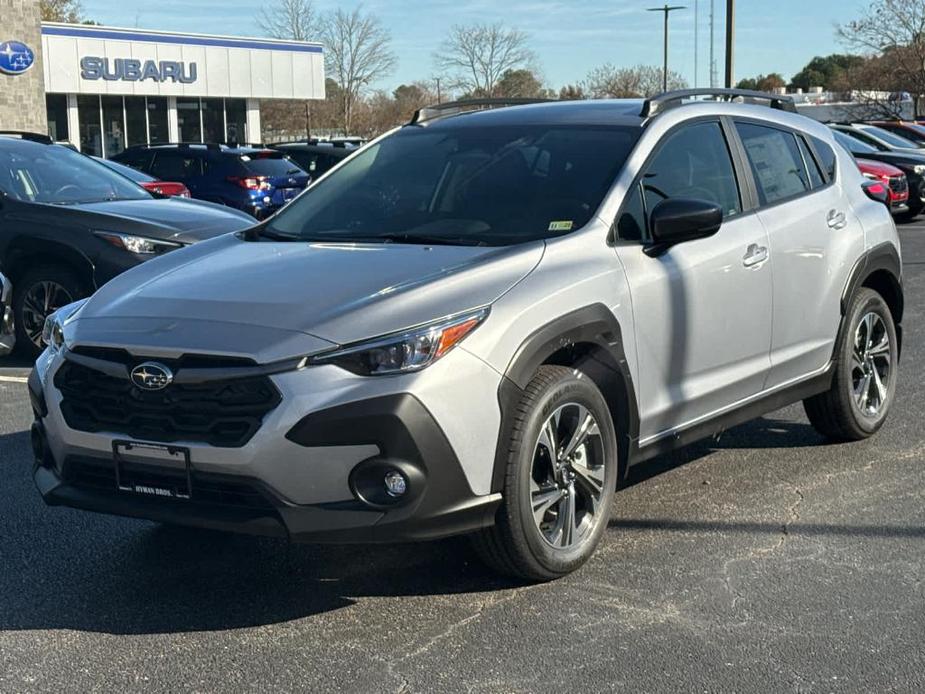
(570, 37)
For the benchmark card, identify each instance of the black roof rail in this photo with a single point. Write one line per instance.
(181, 145)
(32, 137)
(454, 107)
(657, 104)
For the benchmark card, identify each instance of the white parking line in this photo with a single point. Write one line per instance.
(13, 379)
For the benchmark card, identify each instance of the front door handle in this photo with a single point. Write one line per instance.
(755, 255)
(837, 220)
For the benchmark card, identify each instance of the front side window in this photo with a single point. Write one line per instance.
(58, 175)
(464, 185)
(693, 163)
(776, 162)
(176, 165)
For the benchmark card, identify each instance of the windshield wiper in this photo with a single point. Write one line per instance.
(427, 239)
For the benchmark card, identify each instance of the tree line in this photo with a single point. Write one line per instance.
(886, 44)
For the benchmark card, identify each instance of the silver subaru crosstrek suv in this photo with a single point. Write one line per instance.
(477, 323)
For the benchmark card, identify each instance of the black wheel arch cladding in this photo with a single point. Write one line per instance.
(589, 339)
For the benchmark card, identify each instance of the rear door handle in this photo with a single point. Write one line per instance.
(837, 220)
(755, 255)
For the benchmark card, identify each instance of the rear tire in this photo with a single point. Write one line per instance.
(560, 479)
(864, 382)
(36, 294)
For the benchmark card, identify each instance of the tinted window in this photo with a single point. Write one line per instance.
(264, 165)
(864, 139)
(826, 157)
(776, 162)
(137, 159)
(889, 138)
(631, 226)
(853, 145)
(693, 162)
(127, 171)
(815, 175)
(458, 184)
(60, 176)
(176, 165)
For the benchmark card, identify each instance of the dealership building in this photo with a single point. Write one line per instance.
(108, 88)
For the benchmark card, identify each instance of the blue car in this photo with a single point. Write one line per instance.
(253, 179)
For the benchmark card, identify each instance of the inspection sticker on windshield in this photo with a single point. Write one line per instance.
(561, 226)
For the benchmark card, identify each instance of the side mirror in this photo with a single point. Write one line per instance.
(677, 220)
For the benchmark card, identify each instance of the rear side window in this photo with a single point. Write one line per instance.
(776, 162)
(815, 175)
(693, 162)
(826, 157)
(176, 166)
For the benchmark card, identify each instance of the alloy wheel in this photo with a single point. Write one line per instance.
(567, 477)
(871, 363)
(40, 301)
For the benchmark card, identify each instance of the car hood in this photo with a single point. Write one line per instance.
(169, 219)
(339, 293)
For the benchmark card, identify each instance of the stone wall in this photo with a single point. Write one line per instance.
(22, 97)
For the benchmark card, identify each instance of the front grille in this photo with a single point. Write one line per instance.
(95, 475)
(899, 184)
(225, 413)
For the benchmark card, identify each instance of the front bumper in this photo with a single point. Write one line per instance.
(306, 477)
(7, 332)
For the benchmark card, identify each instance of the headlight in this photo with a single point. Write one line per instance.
(919, 169)
(137, 244)
(53, 331)
(404, 352)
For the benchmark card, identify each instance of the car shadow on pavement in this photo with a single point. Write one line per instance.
(68, 569)
(762, 433)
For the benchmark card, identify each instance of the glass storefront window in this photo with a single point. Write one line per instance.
(136, 121)
(88, 116)
(190, 126)
(56, 105)
(158, 131)
(213, 120)
(113, 125)
(236, 118)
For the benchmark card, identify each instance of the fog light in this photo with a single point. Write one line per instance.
(395, 483)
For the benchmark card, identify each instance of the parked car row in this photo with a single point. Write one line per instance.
(888, 152)
(69, 224)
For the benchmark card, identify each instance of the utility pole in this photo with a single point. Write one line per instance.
(696, 41)
(730, 41)
(712, 44)
(439, 95)
(667, 10)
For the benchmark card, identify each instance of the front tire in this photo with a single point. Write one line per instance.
(36, 295)
(864, 382)
(560, 481)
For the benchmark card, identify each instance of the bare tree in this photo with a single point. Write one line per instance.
(611, 82)
(61, 11)
(894, 32)
(475, 57)
(358, 53)
(290, 19)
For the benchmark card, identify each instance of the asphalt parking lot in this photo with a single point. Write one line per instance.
(765, 561)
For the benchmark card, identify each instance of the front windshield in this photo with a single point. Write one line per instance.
(60, 176)
(891, 138)
(464, 185)
(852, 144)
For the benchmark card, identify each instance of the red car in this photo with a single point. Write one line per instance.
(149, 183)
(894, 180)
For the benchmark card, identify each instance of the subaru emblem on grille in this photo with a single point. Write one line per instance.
(152, 376)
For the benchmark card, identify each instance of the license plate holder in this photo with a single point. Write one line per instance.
(124, 483)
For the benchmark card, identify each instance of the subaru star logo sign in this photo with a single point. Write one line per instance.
(15, 57)
(152, 376)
